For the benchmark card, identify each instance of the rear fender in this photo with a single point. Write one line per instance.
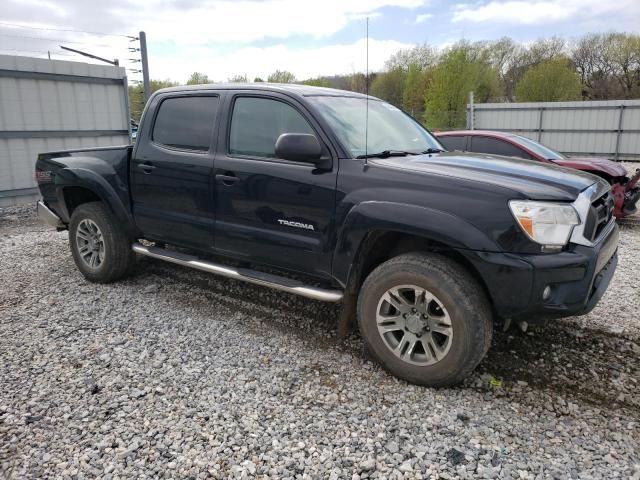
(430, 224)
(115, 197)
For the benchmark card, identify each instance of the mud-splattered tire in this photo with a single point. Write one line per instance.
(101, 249)
(425, 319)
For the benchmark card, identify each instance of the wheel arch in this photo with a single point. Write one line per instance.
(75, 195)
(371, 229)
(77, 186)
(381, 245)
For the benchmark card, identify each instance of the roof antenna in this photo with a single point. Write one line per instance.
(366, 89)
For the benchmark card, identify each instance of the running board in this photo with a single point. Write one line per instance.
(251, 276)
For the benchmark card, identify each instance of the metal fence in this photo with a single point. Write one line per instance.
(608, 128)
(50, 105)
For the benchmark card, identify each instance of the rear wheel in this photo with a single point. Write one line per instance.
(425, 319)
(101, 249)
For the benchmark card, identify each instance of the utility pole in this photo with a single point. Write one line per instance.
(472, 112)
(145, 66)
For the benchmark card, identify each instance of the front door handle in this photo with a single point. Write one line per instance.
(227, 179)
(146, 167)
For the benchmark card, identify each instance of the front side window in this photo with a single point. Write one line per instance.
(186, 122)
(256, 124)
(389, 128)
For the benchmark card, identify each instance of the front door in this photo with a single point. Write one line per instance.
(269, 210)
(171, 172)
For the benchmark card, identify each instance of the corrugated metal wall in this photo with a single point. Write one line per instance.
(50, 105)
(601, 128)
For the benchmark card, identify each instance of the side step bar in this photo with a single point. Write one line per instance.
(259, 278)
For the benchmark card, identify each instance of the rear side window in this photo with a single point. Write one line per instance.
(186, 122)
(454, 142)
(256, 124)
(495, 146)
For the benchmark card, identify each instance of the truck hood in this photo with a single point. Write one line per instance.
(593, 164)
(534, 180)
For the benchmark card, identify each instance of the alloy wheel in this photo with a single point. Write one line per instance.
(90, 243)
(414, 325)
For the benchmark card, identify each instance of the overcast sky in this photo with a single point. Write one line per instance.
(223, 38)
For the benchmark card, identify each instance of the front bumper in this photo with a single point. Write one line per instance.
(577, 277)
(48, 216)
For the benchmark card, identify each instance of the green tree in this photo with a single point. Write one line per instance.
(389, 86)
(258, 80)
(358, 83)
(459, 72)
(553, 80)
(281, 76)
(415, 84)
(316, 82)
(625, 60)
(136, 96)
(198, 78)
(422, 55)
(238, 79)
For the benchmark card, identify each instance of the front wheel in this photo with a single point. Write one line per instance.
(100, 247)
(425, 319)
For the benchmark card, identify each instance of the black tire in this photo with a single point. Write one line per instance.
(464, 302)
(117, 257)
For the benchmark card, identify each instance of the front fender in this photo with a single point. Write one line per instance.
(428, 223)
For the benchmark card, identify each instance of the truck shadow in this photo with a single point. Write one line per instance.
(561, 360)
(578, 365)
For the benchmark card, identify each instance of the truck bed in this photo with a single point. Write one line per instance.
(105, 168)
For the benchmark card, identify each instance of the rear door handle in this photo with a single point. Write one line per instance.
(227, 179)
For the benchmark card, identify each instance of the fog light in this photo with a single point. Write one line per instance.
(546, 293)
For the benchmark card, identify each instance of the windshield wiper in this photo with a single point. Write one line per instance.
(387, 154)
(433, 150)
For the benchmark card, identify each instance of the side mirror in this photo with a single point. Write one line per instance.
(300, 147)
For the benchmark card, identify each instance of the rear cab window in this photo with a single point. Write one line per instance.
(186, 123)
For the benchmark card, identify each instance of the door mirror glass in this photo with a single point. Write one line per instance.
(300, 147)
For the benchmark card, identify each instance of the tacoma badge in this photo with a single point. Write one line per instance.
(306, 226)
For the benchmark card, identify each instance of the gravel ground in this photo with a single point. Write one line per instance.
(174, 373)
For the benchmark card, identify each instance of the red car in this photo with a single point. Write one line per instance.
(625, 189)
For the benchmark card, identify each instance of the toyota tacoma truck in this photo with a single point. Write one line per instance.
(340, 197)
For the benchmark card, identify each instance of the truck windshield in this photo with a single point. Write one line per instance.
(390, 129)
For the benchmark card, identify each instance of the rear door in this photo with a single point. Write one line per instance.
(171, 172)
(268, 210)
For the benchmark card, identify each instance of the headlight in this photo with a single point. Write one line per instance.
(549, 224)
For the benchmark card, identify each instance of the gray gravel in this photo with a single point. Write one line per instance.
(174, 373)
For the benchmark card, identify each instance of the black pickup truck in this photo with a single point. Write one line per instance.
(340, 198)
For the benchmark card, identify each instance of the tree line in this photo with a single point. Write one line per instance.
(433, 84)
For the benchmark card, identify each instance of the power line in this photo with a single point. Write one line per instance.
(35, 51)
(68, 30)
(43, 52)
(54, 39)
